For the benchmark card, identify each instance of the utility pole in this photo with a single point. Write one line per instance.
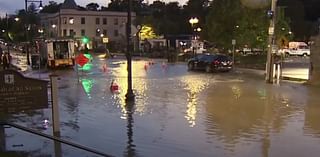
(272, 16)
(7, 20)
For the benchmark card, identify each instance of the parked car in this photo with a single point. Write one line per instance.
(210, 62)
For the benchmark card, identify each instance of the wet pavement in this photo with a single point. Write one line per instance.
(176, 113)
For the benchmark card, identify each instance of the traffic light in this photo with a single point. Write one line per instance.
(85, 40)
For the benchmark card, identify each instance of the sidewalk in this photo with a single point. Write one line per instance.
(300, 75)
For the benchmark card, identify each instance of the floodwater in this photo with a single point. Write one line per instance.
(175, 113)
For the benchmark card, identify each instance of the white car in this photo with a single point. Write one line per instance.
(299, 51)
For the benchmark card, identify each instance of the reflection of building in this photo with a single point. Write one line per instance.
(71, 21)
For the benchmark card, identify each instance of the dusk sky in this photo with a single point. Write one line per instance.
(10, 6)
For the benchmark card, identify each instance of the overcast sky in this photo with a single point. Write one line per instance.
(10, 6)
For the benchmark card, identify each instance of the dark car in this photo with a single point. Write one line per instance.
(210, 62)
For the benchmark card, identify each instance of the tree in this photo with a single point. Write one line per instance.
(230, 19)
(92, 6)
(222, 19)
(197, 8)
(52, 7)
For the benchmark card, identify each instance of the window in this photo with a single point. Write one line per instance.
(116, 21)
(83, 32)
(64, 20)
(64, 32)
(71, 20)
(83, 20)
(71, 32)
(105, 32)
(97, 21)
(116, 33)
(104, 21)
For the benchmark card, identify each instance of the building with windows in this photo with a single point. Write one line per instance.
(71, 21)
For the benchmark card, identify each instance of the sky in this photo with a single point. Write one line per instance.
(10, 6)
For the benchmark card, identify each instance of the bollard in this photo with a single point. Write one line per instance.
(274, 70)
(55, 105)
(278, 71)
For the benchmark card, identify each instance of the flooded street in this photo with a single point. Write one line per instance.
(176, 113)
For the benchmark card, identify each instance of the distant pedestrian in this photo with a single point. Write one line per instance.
(6, 59)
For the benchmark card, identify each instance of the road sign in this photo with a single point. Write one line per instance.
(81, 60)
(105, 40)
(233, 42)
(18, 93)
(271, 30)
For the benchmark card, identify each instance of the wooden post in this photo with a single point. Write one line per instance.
(55, 105)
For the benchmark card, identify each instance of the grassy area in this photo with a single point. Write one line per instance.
(251, 61)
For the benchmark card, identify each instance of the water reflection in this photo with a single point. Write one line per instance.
(139, 85)
(194, 85)
(235, 116)
(312, 116)
(131, 147)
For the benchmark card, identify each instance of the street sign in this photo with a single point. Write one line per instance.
(18, 93)
(105, 40)
(271, 30)
(274, 48)
(233, 42)
(81, 60)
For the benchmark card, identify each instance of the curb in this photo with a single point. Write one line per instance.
(294, 79)
(262, 73)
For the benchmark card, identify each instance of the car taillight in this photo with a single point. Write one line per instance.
(216, 62)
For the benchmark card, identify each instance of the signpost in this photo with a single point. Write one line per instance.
(82, 60)
(233, 49)
(18, 93)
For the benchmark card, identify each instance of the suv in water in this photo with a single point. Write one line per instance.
(210, 62)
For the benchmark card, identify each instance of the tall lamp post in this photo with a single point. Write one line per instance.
(193, 21)
(130, 94)
(26, 10)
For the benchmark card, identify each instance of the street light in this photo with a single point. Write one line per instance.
(32, 1)
(193, 21)
(26, 10)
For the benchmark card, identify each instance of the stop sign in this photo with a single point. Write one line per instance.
(81, 60)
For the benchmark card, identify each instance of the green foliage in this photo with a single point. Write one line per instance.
(52, 7)
(229, 19)
(222, 19)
